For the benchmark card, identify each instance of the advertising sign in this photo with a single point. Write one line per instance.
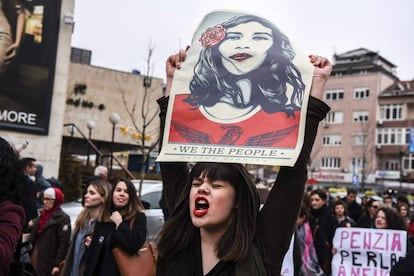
(28, 64)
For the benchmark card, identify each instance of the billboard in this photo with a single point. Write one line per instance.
(27, 65)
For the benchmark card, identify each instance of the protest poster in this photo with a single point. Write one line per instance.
(240, 96)
(366, 252)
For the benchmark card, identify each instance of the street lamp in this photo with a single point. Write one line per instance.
(90, 125)
(113, 119)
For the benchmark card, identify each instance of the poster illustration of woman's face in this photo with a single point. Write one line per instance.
(242, 84)
(245, 47)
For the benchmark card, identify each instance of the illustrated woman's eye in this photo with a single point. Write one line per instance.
(233, 36)
(259, 37)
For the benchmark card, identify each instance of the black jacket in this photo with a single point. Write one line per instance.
(99, 259)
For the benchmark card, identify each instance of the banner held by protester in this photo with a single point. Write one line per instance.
(363, 251)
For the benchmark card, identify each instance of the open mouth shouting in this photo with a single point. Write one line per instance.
(201, 207)
(240, 56)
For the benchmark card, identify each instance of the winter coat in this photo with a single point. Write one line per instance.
(11, 224)
(50, 247)
(99, 260)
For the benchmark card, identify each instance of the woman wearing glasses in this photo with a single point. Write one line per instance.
(367, 218)
(50, 234)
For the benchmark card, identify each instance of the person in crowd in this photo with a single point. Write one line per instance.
(41, 184)
(354, 209)
(28, 165)
(387, 200)
(402, 198)
(404, 210)
(341, 214)
(367, 218)
(326, 224)
(411, 226)
(215, 226)
(100, 172)
(307, 238)
(387, 218)
(122, 224)
(228, 79)
(50, 234)
(12, 216)
(96, 195)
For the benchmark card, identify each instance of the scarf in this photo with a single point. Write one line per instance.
(45, 215)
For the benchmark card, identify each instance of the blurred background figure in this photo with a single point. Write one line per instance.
(368, 216)
(96, 195)
(354, 209)
(28, 165)
(341, 214)
(403, 209)
(50, 234)
(101, 172)
(326, 224)
(12, 216)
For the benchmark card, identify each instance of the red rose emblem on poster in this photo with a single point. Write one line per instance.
(212, 36)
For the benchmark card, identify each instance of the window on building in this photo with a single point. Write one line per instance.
(359, 139)
(82, 56)
(332, 140)
(408, 162)
(392, 165)
(334, 95)
(331, 162)
(334, 117)
(358, 163)
(361, 93)
(393, 136)
(391, 111)
(360, 116)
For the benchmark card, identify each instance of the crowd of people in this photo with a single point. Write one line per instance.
(321, 215)
(112, 216)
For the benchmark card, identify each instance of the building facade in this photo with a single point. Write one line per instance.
(395, 136)
(345, 152)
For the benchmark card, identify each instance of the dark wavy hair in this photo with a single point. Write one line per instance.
(394, 219)
(133, 206)
(179, 233)
(12, 179)
(211, 81)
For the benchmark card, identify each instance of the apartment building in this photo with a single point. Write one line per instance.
(345, 152)
(394, 134)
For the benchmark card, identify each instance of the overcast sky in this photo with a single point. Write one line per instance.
(119, 32)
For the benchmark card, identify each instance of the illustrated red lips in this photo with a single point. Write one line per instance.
(201, 207)
(240, 56)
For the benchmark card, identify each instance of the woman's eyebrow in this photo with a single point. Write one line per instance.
(262, 33)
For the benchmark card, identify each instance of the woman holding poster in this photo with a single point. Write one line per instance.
(215, 227)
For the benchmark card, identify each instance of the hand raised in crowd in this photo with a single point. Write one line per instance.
(323, 69)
